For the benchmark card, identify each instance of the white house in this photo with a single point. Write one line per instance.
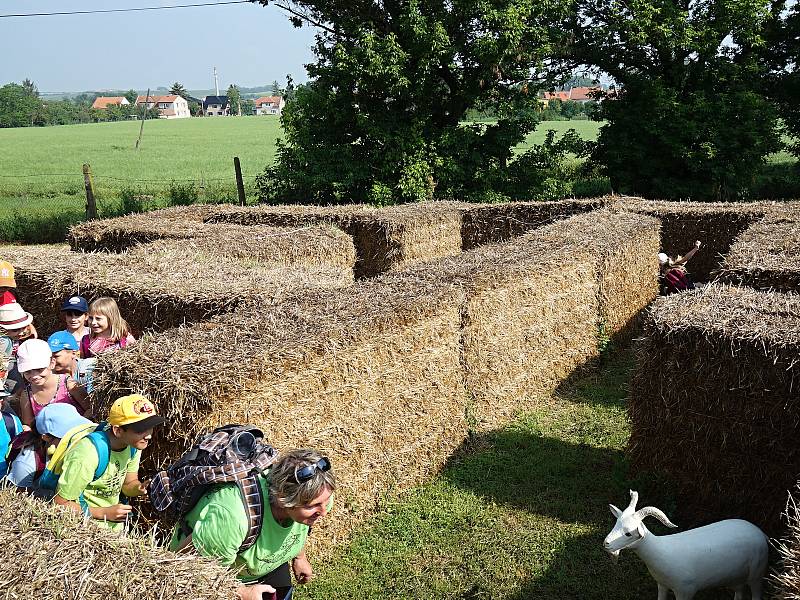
(269, 105)
(216, 106)
(169, 107)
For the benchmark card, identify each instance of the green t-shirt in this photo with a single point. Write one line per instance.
(80, 463)
(219, 525)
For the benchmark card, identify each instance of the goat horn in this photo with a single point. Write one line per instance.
(634, 500)
(652, 511)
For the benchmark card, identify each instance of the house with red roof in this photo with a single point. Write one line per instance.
(269, 105)
(102, 102)
(581, 94)
(169, 107)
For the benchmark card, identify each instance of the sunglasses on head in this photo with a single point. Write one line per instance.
(301, 475)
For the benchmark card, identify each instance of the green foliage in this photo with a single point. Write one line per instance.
(183, 193)
(381, 119)
(234, 99)
(177, 89)
(248, 107)
(131, 96)
(691, 120)
(18, 107)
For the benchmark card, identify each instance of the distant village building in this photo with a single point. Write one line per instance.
(269, 105)
(169, 107)
(581, 94)
(102, 102)
(216, 106)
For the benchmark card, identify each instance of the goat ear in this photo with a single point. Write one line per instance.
(615, 511)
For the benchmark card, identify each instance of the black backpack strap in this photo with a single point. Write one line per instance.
(253, 500)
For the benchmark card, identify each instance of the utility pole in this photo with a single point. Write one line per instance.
(216, 82)
(144, 113)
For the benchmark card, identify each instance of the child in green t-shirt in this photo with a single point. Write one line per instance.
(131, 422)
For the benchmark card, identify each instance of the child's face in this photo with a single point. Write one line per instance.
(19, 334)
(37, 376)
(74, 319)
(63, 361)
(97, 323)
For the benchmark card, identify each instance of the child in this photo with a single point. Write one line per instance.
(65, 359)
(43, 387)
(673, 273)
(109, 330)
(7, 283)
(74, 310)
(16, 326)
(131, 421)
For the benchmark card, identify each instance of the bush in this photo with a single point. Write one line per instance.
(183, 194)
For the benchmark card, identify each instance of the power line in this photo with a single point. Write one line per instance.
(122, 10)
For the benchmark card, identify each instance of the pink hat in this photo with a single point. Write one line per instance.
(13, 316)
(33, 354)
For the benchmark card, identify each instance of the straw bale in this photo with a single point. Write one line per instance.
(120, 233)
(766, 256)
(488, 223)
(166, 283)
(716, 224)
(386, 239)
(786, 577)
(369, 375)
(713, 401)
(49, 553)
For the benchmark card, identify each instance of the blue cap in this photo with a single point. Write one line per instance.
(76, 303)
(62, 340)
(58, 419)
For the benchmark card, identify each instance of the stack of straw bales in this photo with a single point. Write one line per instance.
(379, 375)
(386, 239)
(714, 224)
(786, 578)
(165, 283)
(121, 233)
(766, 256)
(713, 401)
(488, 223)
(49, 553)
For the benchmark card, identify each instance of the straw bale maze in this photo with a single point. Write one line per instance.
(383, 336)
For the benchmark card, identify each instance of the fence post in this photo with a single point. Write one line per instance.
(239, 183)
(91, 205)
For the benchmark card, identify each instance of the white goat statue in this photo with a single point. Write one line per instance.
(730, 553)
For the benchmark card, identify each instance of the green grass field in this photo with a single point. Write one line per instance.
(519, 513)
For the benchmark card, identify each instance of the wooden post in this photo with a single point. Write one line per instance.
(144, 114)
(91, 205)
(239, 183)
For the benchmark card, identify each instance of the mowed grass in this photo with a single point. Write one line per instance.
(518, 513)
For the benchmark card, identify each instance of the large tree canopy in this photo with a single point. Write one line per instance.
(380, 120)
(691, 118)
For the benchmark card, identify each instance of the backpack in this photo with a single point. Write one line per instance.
(229, 454)
(677, 280)
(10, 428)
(86, 342)
(97, 434)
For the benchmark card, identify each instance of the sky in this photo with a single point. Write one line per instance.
(249, 44)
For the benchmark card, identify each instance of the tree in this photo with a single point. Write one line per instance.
(18, 108)
(380, 119)
(234, 100)
(782, 59)
(690, 119)
(30, 88)
(276, 88)
(178, 90)
(131, 96)
(248, 106)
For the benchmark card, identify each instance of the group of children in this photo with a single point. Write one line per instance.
(50, 444)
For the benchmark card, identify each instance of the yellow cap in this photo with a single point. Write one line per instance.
(7, 274)
(134, 409)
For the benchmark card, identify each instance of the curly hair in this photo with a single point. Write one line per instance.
(285, 491)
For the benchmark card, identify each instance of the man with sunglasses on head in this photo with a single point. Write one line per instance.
(298, 488)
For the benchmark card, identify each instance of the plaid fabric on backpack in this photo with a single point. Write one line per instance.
(230, 454)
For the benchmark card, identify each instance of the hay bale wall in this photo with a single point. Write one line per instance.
(766, 256)
(386, 239)
(49, 553)
(713, 401)
(786, 577)
(368, 374)
(714, 224)
(170, 282)
(490, 223)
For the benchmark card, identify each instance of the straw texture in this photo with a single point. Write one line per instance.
(49, 553)
(786, 577)
(766, 256)
(713, 401)
(715, 224)
(165, 283)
